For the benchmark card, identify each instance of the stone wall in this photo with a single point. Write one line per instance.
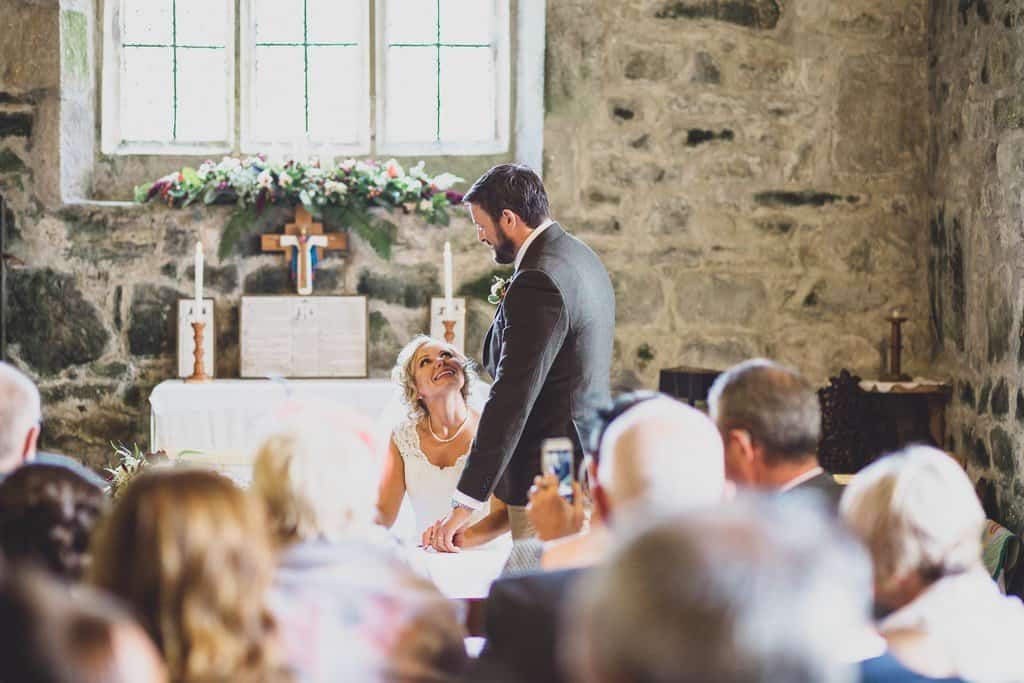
(975, 267)
(752, 172)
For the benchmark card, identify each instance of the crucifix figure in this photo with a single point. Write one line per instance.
(303, 243)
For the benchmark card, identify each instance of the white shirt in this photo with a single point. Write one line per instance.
(529, 240)
(459, 496)
(801, 478)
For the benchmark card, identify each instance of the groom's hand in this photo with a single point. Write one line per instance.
(447, 532)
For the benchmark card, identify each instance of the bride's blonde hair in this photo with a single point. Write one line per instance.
(404, 374)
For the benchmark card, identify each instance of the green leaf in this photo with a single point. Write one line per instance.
(141, 192)
(240, 223)
(190, 176)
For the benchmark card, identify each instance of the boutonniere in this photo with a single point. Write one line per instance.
(498, 288)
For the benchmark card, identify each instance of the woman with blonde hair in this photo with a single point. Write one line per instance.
(188, 551)
(340, 577)
(943, 615)
(428, 451)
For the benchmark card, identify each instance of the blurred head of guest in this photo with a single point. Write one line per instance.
(190, 553)
(20, 417)
(658, 454)
(921, 521)
(919, 516)
(47, 516)
(318, 480)
(743, 593)
(55, 635)
(770, 420)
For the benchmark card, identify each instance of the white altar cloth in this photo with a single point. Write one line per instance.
(467, 574)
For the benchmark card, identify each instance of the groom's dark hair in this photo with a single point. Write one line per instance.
(515, 187)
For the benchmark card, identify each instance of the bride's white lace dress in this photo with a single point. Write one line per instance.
(428, 486)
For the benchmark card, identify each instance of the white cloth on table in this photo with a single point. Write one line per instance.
(886, 387)
(428, 486)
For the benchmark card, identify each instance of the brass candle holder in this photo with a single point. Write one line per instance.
(198, 371)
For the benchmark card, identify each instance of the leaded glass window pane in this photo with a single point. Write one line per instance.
(175, 82)
(308, 73)
(441, 72)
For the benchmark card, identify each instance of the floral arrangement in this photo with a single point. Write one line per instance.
(131, 462)
(341, 195)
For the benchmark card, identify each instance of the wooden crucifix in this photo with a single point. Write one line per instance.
(304, 243)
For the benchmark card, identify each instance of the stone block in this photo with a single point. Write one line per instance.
(999, 403)
(1008, 112)
(719, 299)
(706, 69)
(152, 320)
(756, 14)
(638, 296)
(983, 395)
(967, 394)
(979, 456)
(11, 162)
(411, 286)
(1002, 452)
(223, 279)
(269, 280)
(999, 316)
(669, 216)
(52, 323)
(809, 198)
(881, 115)
(646, 65)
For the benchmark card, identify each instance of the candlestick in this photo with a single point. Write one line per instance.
(449, 309)
(896, 320)
(198, 371)
(197, 311)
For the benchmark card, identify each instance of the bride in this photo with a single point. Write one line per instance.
(428, 451)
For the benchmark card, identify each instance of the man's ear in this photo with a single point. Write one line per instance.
(601, 505)
(509, 219)
(742, 445)
(28, 448)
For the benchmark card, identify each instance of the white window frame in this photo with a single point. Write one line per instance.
(112, 141)
(247, 141)
(528, 116)
(502, 45)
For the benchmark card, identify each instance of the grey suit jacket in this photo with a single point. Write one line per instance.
(549, 351)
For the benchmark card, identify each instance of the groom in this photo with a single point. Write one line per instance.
(549, 348)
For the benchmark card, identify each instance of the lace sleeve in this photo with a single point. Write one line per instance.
(407, 440)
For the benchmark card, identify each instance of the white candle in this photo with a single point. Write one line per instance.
(197, 314)
(449, 310)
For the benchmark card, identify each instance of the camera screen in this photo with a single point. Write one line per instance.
(559, 463)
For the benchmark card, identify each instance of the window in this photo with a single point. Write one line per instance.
(432, 77)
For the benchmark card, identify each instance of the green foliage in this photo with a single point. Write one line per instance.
(240, 223)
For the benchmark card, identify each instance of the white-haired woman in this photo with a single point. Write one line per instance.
(920, 519)
(428, 450)
(340, 577)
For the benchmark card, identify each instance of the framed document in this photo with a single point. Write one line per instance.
(187, 339)
(437, 314)
(304, 336)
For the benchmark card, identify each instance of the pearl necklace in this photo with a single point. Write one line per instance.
(453, 437)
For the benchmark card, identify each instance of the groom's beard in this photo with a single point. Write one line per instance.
(504, 249)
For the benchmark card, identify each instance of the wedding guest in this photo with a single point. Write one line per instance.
(47, 516)
(656, 455)
(54, 635)
(638, 462)
(20, 423)
(942, 614)
(188, 551)
(770, 421)
(427, 452)
(20, 418)
(738, 593)
(339, 576)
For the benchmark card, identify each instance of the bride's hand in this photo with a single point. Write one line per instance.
(429, 533)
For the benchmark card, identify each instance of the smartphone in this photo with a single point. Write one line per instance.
(556, 457)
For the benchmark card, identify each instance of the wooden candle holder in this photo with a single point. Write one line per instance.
(449, 331)
(198, 372)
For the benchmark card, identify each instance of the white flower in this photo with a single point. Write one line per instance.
(425, 205)
(249, 161)
(314, 173)
(347, 165)
(446, 180)
(284, 180)
(334, 187)
(265, 179)
(229, 164)
(417, 171)
(205, 169)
